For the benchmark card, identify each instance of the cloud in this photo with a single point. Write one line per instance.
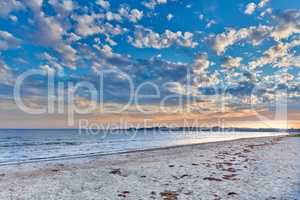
(7, 41)
(6, 75)
(151, 4)
(63, 8)
(106, 51)
(112, 16)
(68, 54)
(263, 3)
(47, 69)
(254, 35)
(50, 31)
(230, 62)
(154, 70)
(87, 36)
(265, 12)
(200, 72)
(228, 38)
(146, 38)
(250, 8)
(201, 63)
(279, 55)
(13, 18)
(52, 61)
(243, 88)
(72, 37)
(161, 70)
(104, 4)
(35, 5)
(88, 25)
(210, 23)
(133, 15)
(178, 88)
(170, 16)
(288, 24)
(271, 56)
(7, 6)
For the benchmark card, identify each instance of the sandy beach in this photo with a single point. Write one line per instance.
(261, 168)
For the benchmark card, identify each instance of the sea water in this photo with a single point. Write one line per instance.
(23, 146)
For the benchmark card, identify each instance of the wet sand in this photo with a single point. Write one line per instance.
(260, 168)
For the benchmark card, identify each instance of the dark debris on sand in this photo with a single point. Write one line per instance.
(212, 179)
(169, 195)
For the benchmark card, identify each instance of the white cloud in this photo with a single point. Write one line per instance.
(7, 6)
(133, 15)
(270, 56)
(258, 34)
(68, 54)
(178, 88)
(13, 18)
(50, 31)
(250, 8)
(105, 50)
(254, 35)
(201, 17)
(170, 16)
(35, 5)
(52, 61)
(146, 38)
(6, 75)
(62, 8)
(228, 38)
(288, 24)
(7, 41)
(110, 41)
(267, 11)
(109, 30)
(210, 23)
(73, 37)
(88, 25)
(201, 64)
(263, 3)
(230, 62)
(201, 76)
(112, 16)
(104, 4)
(279, 55)
(68, 5)
(151, 4)
(47, 69)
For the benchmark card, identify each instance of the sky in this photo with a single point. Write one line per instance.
(172, 62)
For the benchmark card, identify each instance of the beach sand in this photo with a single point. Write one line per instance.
(261, 168)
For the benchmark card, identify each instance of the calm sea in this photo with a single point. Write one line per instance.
(22, 146)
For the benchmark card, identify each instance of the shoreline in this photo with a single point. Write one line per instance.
(98, 154)
(257, 168)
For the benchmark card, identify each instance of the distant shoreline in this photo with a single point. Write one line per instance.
(204, 129)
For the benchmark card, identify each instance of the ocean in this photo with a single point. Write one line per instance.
(25, 146)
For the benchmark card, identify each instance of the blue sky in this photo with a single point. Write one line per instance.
(230, 46)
